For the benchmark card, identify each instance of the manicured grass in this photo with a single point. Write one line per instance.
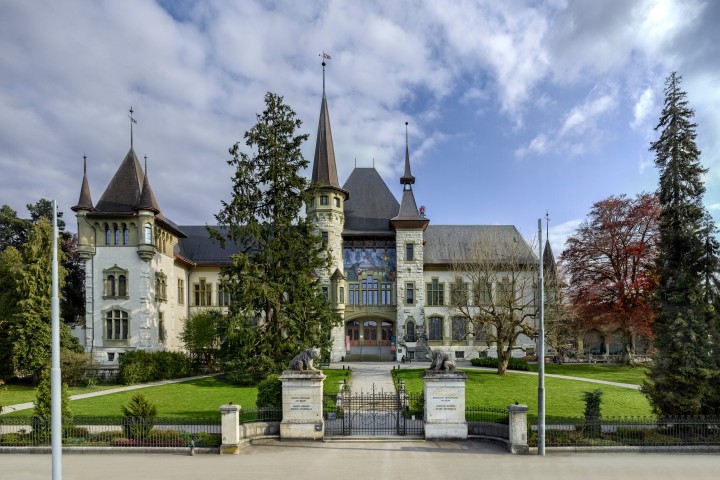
(334, 377)
(15, 393)
(609, 372)
(562, 397)
(196, 398)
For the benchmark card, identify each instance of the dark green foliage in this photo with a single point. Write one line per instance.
(13, 230)
(277, 308)
(73, 366)
(269, 393)
(592, 400)
(490, 362)
(683, 369)
(140, 416)
(202, 336)
(140, 366)
(42, 414)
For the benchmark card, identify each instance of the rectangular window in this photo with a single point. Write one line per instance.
(435, 328)
(116, 325)
(324, 238)
(435, 293)
(459, 354)
(336, 202)
(370, 291)
(504, 292)
(111, 356)
(223, 297)
(161, 327)
(482, 293)
(409, 253)
(410, 293)
(324, 200)
(354, 298)
(385, 294)
(459, 329)
(181, 291)
(160, 287)
(459, 293)
(342, 294)
(325, 293)
(203, 293)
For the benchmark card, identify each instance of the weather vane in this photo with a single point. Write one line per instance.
(325, 56)
(132, 120)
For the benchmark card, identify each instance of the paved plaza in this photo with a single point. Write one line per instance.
(273, 459)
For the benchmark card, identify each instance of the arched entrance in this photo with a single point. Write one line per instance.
(370, 339)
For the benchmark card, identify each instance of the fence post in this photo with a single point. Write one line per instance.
(518, 429)
(230, 420)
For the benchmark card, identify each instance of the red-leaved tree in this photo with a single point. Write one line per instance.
(610, 261)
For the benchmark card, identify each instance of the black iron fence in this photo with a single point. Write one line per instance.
(114, 432)
(629, 431)
(265, 414)
(476, 413)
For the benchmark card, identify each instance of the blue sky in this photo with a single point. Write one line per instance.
(515, 108)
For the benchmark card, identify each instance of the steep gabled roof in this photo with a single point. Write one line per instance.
(123, 192)
(448, 244)
(371, 204)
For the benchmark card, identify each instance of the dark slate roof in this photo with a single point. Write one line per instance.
(123, 191)
(407, 178)
(85, 201)
(147, 198)
(448, 244)
(549, 266)
(324, 170)
(371, 204)
(200, 249)
(408, 207)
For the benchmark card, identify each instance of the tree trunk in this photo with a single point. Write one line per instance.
(503, 358)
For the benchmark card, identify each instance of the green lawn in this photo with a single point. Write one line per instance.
(334, 377)
(22, 392)
(562, 397)
(609, 372)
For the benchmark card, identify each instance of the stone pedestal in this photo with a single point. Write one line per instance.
(230, 425)
(518, 429)
(302, 400)
(445, 404)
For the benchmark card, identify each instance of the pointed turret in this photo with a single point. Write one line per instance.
(408, 216)
(124, 190)
(85, 201)
(549, 266)
(147, 198)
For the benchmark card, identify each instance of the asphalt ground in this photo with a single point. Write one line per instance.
(274, 459)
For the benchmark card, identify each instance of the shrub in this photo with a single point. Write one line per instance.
(140, 366)
(490, 362)
(73, 366)
(140, 416)
(269, 393)
(593, 400)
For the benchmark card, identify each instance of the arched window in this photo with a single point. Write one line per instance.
(126, 235)
(435, 328)
(410, 331)
(148, 234)
(459, 329)
(108, 235)
(117, 235)
(122, 286)
(110, 292)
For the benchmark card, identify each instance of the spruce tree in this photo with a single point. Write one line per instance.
(680, 378)
(277, 309)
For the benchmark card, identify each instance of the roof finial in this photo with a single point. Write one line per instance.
(324, 56)
(132, 120)
(355, 162)
(407, 179)
(547, 224)
(373, 162)
(84, 164)
(146, 165)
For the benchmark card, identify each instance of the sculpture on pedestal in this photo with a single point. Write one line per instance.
(304, 360)
(441, 361)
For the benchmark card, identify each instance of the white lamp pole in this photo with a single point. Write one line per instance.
(541, 347)
(55, 385)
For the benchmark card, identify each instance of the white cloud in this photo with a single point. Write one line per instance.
(643, 108)
(559, 234)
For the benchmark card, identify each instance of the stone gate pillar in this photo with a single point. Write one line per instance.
(445, 404)
(302, 405)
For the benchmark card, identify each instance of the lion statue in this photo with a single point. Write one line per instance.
(441, 361)
(304, 360)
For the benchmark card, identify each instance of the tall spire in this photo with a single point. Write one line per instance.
(407, 179)
(132, 120)
(324, 171)
(85, 201)
(147, 198)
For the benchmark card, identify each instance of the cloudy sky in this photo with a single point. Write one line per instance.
(515, 107)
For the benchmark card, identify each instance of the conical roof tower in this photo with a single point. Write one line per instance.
(85, 201)
(408, 216)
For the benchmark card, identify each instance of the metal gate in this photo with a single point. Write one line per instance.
(373, 414)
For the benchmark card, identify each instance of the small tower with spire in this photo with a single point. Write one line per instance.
(86, 248)
(409, 226)
(326, 212)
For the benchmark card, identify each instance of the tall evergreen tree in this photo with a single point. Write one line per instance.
(277, 309)
(680, 378)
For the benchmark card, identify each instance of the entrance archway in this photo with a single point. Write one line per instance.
(370, 339)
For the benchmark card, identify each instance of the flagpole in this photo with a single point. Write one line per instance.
(55, 385)
(541, 347)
